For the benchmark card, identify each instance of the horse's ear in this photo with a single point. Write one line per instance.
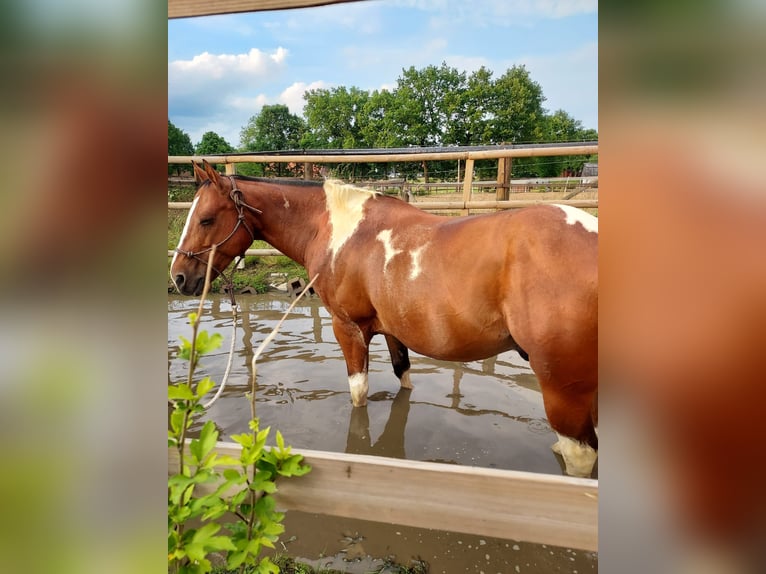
(199, 174)
(212, 174)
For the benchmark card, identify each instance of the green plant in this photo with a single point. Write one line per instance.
(241, 487)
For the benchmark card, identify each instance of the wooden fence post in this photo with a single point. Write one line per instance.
(503, 179)
(467, 182)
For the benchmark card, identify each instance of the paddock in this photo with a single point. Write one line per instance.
(539, 506)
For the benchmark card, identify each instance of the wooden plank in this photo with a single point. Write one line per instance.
(401, 157)
(188, 8)
(467, 180)
(427, 205)
(514, 505)
(503, 178)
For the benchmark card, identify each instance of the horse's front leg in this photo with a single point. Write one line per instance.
(355, 344)
(400, 360)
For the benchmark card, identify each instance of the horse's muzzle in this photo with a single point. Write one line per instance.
(188, 286)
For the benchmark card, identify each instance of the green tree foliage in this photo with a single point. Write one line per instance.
(517, 108)
(336, 117)
(212, 144)
(273, 129)
(427, 104)
(179, 143)
(432, 106)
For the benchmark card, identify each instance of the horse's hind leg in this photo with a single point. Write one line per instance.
(570, 414)
(400, 359)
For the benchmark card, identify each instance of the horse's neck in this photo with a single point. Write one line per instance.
(289, 217)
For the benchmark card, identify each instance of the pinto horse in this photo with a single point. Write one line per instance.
(450, 288)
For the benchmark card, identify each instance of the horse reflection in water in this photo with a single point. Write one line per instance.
(455, 289)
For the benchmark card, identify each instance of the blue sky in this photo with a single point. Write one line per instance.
(223, 69)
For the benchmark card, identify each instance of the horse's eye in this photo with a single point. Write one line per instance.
(206, 221)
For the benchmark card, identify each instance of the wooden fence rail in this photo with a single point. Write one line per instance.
(539, 508)
(503, 184)
(542, 151)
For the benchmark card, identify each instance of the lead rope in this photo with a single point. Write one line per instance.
(234, 321)
(236, 196)
(268, 340)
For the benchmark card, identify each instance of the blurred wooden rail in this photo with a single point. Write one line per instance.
(513, 505)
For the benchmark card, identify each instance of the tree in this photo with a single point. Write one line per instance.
(335, 117)
(179, 143)
(427, 104)
(212, 144)
(516, 108)
(274, 129)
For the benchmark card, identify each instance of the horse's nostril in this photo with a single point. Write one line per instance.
(179, 280)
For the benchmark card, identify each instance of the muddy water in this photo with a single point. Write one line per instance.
(486, 413)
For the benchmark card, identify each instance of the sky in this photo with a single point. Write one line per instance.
(223, 69)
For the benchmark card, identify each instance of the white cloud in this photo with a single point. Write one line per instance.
(292, 96)
(222, 89)
(217, 66)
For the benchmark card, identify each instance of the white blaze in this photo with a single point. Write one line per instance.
(183, 234)
(574, 215)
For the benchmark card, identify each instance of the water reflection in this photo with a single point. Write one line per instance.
(485, 413)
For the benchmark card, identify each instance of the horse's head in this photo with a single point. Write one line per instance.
(216, 218)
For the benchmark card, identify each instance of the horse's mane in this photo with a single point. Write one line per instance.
(340, 193)
(288, 180)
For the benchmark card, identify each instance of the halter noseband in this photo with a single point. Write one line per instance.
(236, 196)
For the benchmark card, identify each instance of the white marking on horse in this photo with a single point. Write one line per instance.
(579, 457)
(574, 216)
(345, 208)
(388, 247)
(183, 236)
(358, 386)
(416, 254)
(405, 380)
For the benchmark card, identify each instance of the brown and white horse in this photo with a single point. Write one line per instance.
(451, 288)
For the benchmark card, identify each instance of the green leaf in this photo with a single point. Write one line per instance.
(280, 441)
(266, 566)
(235, 559)
(232, 474)
(177, 422)
(207, 343)
(181, 391)
(184, 349)
(204, 387)
(208, 437)
(201, 447)
(244, 439)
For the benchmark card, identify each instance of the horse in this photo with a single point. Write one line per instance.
(451, 288)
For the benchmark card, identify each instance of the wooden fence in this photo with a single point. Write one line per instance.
(514, 505)
(503, 185)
